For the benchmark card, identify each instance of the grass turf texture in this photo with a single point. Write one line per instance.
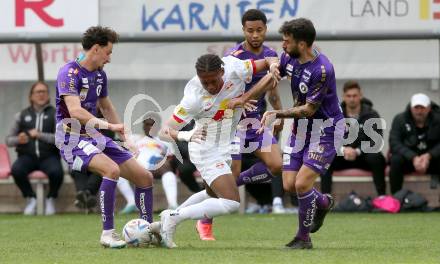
(344, 238)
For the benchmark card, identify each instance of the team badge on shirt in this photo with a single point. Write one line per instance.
(303, 88)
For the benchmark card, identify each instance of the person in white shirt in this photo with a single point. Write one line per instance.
(154, 155)
(214, 99)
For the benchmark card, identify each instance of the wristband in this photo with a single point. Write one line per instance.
(184, 135)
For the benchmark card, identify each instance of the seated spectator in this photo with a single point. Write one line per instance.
(415, 140)
(33, 136)
(359, 108)
(155, 156)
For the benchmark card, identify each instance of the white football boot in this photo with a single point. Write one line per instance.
(111, 239)
(169, 221)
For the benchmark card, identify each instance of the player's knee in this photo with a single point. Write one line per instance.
(144, 180)
(230, 206)
(112, 171)
(275, 168)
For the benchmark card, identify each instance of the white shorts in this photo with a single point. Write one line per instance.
(210, 162)
(211, 170)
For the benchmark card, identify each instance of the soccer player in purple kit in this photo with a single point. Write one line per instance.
(316, 131)
(254, 30)
(81, 89)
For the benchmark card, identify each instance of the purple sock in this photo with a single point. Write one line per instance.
(307, 209)
(206, 220)
(258, 173)
(144, 202)
(322, 201)
(107, 202)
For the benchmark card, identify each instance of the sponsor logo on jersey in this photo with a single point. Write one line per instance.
(247, 64)
(98, 90)
(181, 111)
(72, 85)
(83, 93)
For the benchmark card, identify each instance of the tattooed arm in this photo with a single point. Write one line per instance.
(302, 111)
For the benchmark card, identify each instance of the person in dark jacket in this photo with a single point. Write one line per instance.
(33, 136)
(415, 140)
(356, 107)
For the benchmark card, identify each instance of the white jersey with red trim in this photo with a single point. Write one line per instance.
(211, 111)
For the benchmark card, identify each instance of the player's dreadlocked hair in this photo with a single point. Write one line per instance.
(209, 63)
(253, 15)
(301, 29)
(98, 35)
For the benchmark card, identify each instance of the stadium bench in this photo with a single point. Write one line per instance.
(359, 175)
(37, 177)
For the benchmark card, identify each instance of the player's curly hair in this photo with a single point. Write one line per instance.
(209, 63)
(98, 35)
(253, 15)
(301, 29)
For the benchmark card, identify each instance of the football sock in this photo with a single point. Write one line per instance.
(107, 202)
(307, 209)
(258, 173)
(169, 183)
(208, 208)
(322, 201)
(144, 202)
(195, 199)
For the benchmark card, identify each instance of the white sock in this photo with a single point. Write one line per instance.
(277, 200)
(195, 199)
(169, 184)
(125, 188)
(208, 208)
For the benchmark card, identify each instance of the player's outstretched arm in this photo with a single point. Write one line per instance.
(171, 132)
(84, 117)
(266, 83)
(275, 101)
(303, 111)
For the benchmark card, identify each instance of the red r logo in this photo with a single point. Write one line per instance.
(38, 8)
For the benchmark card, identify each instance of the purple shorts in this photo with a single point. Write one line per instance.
(250, 142)
(318, 157)
(79, 155)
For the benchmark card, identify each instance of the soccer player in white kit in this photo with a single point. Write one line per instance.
(209, 100)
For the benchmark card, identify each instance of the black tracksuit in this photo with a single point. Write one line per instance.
(37, 154)
(374, 162)
(407, 141)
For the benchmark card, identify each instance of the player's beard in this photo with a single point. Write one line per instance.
(294, 54)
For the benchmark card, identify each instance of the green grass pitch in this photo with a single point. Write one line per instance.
(344, 238)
